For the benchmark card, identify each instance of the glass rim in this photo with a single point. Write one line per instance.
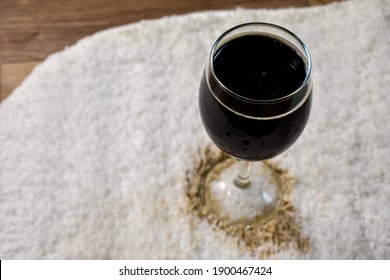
(257, 101)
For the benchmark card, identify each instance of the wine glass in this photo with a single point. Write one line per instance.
(254, 100)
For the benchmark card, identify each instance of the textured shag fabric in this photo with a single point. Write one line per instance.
(96, 143)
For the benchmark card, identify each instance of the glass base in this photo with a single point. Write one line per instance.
(257, 201)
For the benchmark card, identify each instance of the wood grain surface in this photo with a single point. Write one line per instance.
(30, 30)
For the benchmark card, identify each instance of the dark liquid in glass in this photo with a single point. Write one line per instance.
(259, 68)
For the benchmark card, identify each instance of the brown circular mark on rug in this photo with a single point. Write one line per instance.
(279, 232)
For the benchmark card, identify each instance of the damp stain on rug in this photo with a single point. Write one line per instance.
(259, 236)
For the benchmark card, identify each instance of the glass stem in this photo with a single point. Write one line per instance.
(243, 179)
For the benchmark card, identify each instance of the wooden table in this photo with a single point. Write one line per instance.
(30, 30)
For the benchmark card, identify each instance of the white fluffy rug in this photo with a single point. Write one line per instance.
(96, 143)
